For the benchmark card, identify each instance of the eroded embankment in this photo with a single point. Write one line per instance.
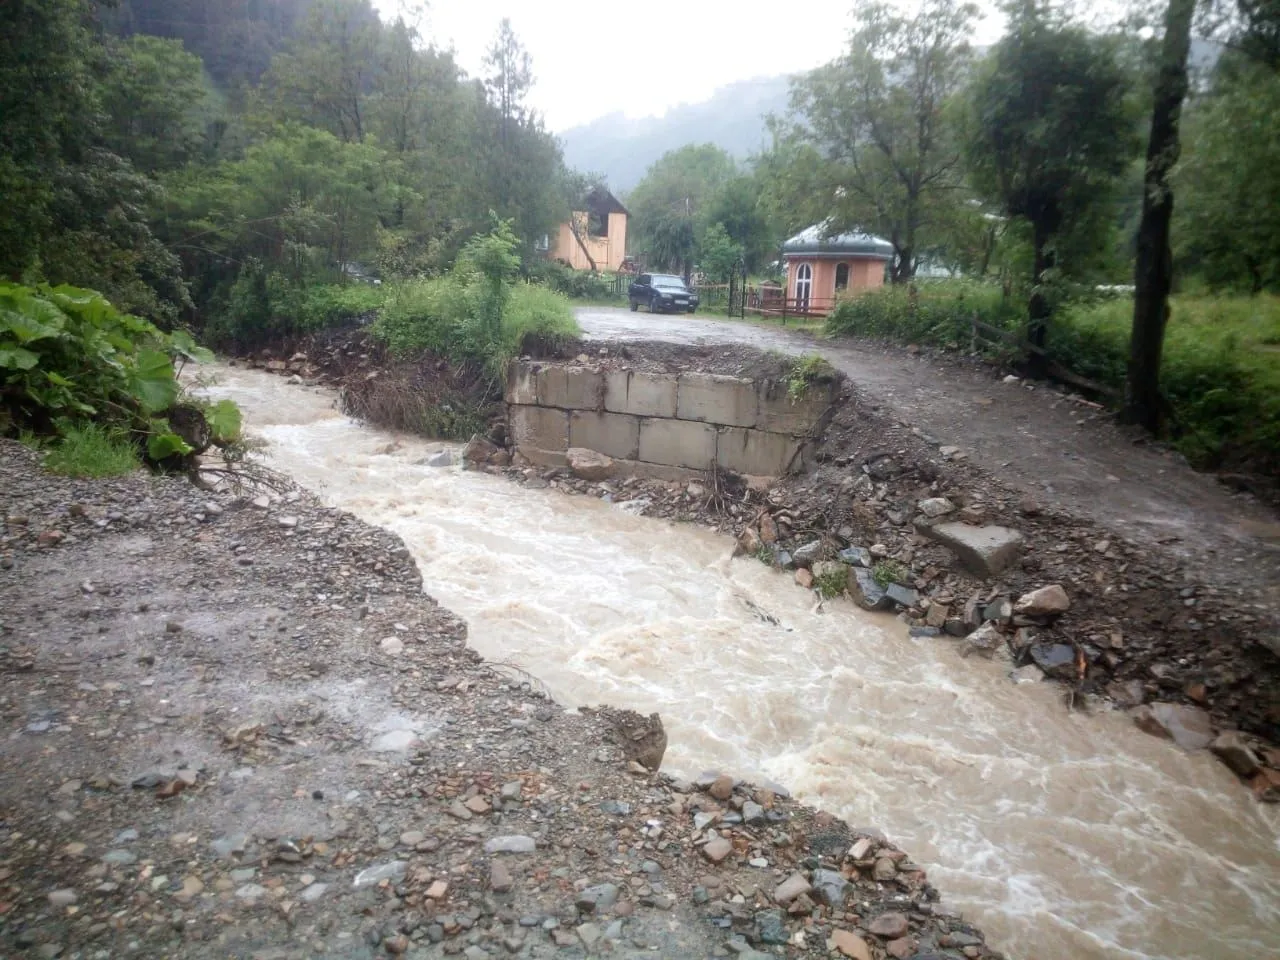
(238, 727)
(879, 505)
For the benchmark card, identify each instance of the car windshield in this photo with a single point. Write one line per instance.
(661, 281)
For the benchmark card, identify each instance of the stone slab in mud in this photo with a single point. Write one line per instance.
(232, 736)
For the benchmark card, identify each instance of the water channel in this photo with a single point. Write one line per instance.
(1064, 836)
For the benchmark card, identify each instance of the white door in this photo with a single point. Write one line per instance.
(804, 286)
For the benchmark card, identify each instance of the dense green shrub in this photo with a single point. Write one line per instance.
(575, 284)
(68, 358)
(938, 312)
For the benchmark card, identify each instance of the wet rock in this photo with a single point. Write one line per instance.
(717, 849)
(768, 530)
(1233, 750)
(1130, 693)
(721, 788)
(752, 812)
(1188, 727)
(902, 596)
(62, 898)
(119, 858)
(589, 465)
(936, 507)
(392, 646)
(1048, 601)
(511, 844)
(986, 641)
(596, 899)
(808, 554)
(500, 880)
(771, 927)
(891, 926)
(830, 886)
(856, 556)
(384, 871)
(1055, 659)
(791, 888)
(251, 891)
(1028, 674)
(849, 944)
(936, 614)
(749, 541)
(442, 458)
(885, 869)
(983, 551)
(865, 591)
(804, 578)
(999, 609)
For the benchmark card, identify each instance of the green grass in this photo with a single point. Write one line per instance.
(833, 583)
(90, 450)
(934, 312)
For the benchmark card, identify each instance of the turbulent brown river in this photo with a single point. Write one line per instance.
(1063, 836)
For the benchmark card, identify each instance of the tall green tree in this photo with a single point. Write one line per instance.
(669, 206)
(878, 117)
(1153, 274)
(1050, 130)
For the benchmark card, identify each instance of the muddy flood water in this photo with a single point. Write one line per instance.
(1063, 836)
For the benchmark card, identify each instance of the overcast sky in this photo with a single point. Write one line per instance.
(592, 57)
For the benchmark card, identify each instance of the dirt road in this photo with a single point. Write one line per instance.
(1033, 439)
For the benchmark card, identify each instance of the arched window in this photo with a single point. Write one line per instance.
(842, 276)
(804, 286)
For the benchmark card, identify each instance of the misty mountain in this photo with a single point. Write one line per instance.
(622, 148)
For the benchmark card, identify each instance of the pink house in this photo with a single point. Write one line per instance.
(821, 268)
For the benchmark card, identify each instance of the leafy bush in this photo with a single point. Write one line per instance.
(68, 359)
(91, 450)
(937, 312)
(575, 284)
(475, 314)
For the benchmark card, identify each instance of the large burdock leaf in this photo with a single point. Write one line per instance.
(153, 383)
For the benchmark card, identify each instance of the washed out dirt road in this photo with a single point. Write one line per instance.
(1031, 438)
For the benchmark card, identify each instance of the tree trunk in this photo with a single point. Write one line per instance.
(1153, 273)
(1038, 307)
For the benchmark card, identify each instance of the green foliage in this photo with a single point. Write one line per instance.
(574, 284)
(1050, 123)
(832, 583)
(477, 314)
(805, 372)
(719, 254)
(1227, 190)
(936, 312)
(91, 450)
(71, 363)
(884, 156)
(669, 204)
(890, 571)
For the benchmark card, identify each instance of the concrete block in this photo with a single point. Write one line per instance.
(983, 551)
(778, 413)
(678, 443)
(539, 427)
(713, 398)
(640, 394)
(614, 434)
(522, 382)
(754, 452)
(570, 388)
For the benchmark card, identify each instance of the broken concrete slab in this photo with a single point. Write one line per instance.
(983, 551)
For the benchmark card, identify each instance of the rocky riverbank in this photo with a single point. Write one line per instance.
(237, 727)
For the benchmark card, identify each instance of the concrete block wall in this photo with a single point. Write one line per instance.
(663, 425)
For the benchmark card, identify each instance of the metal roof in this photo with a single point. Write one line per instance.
(816, 241)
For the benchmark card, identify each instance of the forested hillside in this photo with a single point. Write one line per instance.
(206, 162)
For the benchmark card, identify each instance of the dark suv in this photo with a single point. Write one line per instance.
(661, 292)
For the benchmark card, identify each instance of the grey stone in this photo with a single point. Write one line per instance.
(856, 556)
(865, 591)
(918, 631)
(62, 898)
(251, 891)
(512, 844)
(595, 899)
(936, 507)
(383, 871)
(771, 926)
(589, 933)
(790, 888)
(314, 892)
(983, 551)
(128, 835)
(615, 807)
(783, 559)
(998, 609)
(1233, 750)
(752, 812)
(717, 849)
(1188, 727)
(243, 875)
(1048, 601)
(442, 458)
(393, 741)
(703, 819)
(1055, 659)
(590, 465)
(119, 858)
(902, 596)
(808, 554)
(830, 886)
(228, 846)
(986, 641)
(1028, 674)
(891, 926)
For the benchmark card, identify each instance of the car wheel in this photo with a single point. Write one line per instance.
(693, 309)
(635, 305)
(655, 305)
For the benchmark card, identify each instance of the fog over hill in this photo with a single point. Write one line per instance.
(622, 148)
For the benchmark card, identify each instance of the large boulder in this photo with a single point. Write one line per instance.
(983, 551)
(589, 465)
(1050, 601)
(1188, 727)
